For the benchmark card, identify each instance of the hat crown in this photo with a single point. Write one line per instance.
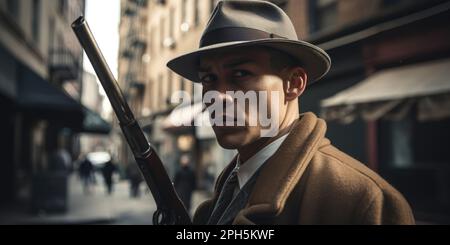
(254, 15)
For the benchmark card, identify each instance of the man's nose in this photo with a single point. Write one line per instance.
(224, 93)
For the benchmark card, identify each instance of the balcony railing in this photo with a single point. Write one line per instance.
(135, 85)
(138, 40)
(63, 65)
(129, 11)
(132, 7)
(138, 86)
(127, 53)
(142, 3)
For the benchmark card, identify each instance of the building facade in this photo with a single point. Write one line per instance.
(131, 71)
(40, 90)
(367, 40)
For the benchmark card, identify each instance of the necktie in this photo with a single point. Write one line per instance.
(225, 198)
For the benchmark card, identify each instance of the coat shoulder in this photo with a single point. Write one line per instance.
(350, 172)
(373, 199)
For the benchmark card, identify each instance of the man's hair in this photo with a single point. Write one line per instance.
(280, 60)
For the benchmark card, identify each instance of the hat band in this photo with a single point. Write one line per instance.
(233, 34)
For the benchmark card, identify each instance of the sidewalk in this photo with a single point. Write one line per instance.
(95, 208)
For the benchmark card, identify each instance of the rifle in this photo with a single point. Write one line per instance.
(170, 209)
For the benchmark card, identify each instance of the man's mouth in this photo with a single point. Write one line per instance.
(229, 120)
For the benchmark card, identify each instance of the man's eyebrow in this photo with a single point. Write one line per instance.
(234, 63)
(239, 62)
(204, 69)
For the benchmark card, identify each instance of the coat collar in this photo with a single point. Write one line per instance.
(283, 170)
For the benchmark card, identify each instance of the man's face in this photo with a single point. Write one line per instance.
(242, 70)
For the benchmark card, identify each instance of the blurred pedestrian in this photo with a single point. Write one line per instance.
(60, 161)
(108, 171)
(185, 182)
(135, 178)
(86, 173)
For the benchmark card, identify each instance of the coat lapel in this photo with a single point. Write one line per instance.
(283, 170)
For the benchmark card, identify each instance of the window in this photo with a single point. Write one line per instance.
(36, 19)
(162, 33)
(151, 49)
(413, 157)
(170, 87)
(60, 42)
(400, 144)
(182, 87)
(196, 13)
(323, 14)
(184, 21)
(183, 11)
(13, 7)
(51, 33)
(62, 7)
(160, 94)
(171, 22)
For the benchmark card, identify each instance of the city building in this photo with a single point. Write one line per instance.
(40, 93)
(381, 48)
(132, 73)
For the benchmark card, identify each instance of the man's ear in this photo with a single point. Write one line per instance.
(295, 83)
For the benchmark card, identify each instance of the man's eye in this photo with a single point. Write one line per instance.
(207, 79)
(241, 74)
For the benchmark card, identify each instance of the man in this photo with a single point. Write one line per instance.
(184, 181)
(135, 178)
(295, 176)
(86, 172)
(107, 171)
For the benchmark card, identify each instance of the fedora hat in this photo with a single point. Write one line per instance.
(245, 23)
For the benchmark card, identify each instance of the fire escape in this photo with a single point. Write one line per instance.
(133, 49)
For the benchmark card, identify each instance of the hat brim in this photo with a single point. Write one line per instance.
(313, 59)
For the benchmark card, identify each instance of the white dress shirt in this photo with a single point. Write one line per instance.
(246, 170)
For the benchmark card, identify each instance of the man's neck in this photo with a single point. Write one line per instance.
(247, 151)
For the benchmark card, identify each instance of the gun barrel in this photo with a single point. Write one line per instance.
(109, 83)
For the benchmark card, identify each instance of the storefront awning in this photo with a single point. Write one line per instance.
(42, 99)
(182, 118)
(393, 92)
(93, 123)
(191, 118)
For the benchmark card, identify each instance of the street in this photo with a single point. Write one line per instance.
(118, 208)
(96, 208)
(93, 208)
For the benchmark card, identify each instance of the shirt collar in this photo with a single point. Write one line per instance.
(248, 169)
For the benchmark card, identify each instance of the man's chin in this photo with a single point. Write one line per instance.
(230, 138)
